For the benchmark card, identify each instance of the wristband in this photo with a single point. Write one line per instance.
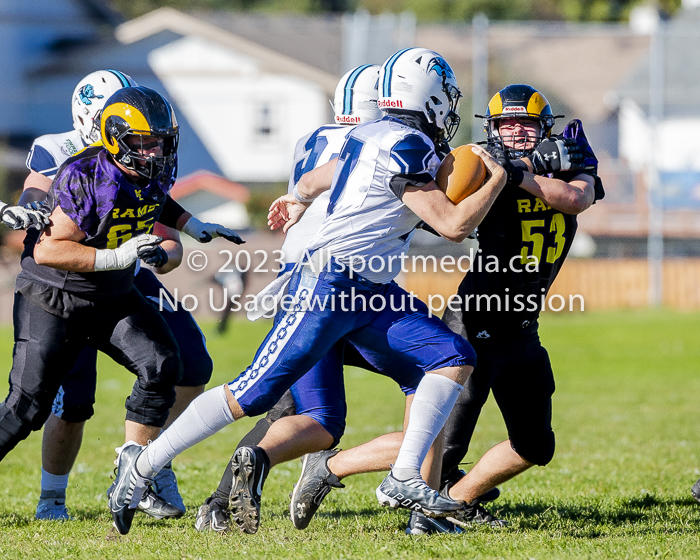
(515, 178)
(105, 259)
(300, 198)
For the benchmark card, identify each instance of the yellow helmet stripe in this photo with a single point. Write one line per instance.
(536, 104)
(496, 105)
(137, 122)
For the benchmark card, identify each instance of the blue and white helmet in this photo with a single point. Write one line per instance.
(355, 99)
(90, 96)
(421, 80)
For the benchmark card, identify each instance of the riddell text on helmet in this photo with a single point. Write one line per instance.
(346, 119)
(390, 103)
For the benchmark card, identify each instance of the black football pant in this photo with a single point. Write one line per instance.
(76, 398)
(127, 328)
(516, 367)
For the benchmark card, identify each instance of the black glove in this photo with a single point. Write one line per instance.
(153, 255)
(556, 154)
(514, 169)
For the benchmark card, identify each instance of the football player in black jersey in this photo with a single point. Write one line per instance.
(74, 403)
(76, 287)
(523, 241)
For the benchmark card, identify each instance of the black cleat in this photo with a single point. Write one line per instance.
(213, 516)
(250, 467)
(476, 513)
(695, 491)
(489, 496)
(419, 524)
(128, 488)
(416, 495)
(315, 482)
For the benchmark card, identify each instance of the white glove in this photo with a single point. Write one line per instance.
(20, 217)
(204, 232)
(141, 246)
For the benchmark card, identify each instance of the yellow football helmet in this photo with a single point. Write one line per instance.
(130, 115)
(518, 101)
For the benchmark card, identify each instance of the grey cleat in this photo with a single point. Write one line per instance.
(213, 516)
(416, 495)
(314, 484)
(154, 505)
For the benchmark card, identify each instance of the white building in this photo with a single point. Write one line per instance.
(247, 103)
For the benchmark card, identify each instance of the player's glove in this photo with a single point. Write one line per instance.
(154, 256)
(24, 217)
(514, 170)
(556, 154)
(142, 246)
(204, 232)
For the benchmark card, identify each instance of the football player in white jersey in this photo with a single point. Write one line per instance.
(381, 188)
(316, 394)
(73, 406)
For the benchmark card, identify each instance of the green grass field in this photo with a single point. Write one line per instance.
(625, 412)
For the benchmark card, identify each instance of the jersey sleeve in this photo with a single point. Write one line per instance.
(41, 161)
(71, 191)
(413, 161)
(297, 166)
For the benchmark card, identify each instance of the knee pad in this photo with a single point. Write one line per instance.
(17, 424)
(538, 451)
(151, 404)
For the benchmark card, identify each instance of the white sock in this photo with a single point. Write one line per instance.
(54, 482)
(206, 415)
(432, 404)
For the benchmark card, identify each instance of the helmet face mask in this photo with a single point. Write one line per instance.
(523, 104)
(90, 96)
(421, 80)
(355, 100)
(140, 131)
(519, 135)
(147, 153)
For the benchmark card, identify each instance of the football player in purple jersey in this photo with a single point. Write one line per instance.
(76, 287)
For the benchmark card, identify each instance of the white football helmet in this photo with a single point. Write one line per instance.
(90, 96)
(421, 80)
(355, 99)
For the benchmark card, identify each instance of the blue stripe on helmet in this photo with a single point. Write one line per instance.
(347, 94)
(122, 77)
(386, 86)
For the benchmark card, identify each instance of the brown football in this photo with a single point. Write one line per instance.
(461, 174)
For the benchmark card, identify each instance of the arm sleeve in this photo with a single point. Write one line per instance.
(400, 181)
(171, 213)
(414, 161)
(31, 195)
